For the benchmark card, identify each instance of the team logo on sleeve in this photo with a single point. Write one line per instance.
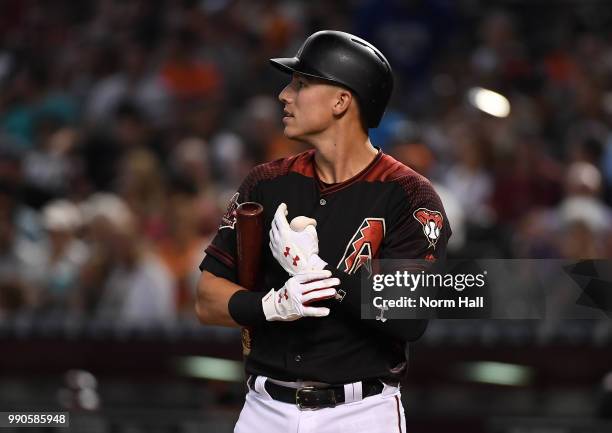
(363, 246)
(228, 220)
(432, 222)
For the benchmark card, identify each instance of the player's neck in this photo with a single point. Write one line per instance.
(339, 157)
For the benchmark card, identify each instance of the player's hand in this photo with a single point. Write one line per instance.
(291, 301)
(295, 246)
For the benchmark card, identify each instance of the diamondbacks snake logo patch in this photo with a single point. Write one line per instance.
(432, 222)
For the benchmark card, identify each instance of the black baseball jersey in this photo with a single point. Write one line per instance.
(382, 212)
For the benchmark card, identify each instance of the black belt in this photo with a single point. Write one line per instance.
(311, 397)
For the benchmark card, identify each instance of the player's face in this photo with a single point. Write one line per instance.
(307, 107)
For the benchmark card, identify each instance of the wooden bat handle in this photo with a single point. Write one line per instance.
(249, 219)
(249, 235)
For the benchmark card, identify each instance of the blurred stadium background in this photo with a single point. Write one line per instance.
(125, 125)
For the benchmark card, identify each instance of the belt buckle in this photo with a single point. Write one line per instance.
(307, 398)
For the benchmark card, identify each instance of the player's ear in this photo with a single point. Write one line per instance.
(342, 101)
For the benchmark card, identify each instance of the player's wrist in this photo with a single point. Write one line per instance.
(242, 307)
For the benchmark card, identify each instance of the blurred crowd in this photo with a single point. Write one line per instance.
(126, 125)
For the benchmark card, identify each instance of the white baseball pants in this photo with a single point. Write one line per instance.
(381, 413)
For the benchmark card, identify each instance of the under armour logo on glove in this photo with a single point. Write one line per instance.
(295, 246)
(281, 294)
(295, 259)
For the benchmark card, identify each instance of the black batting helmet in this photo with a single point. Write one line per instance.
(349, 61)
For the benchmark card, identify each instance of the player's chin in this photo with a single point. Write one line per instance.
(292, 133)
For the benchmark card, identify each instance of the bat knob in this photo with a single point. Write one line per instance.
(249, 208)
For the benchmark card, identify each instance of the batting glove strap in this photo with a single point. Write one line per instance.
(316, 263)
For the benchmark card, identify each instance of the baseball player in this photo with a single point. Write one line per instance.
(314, 364)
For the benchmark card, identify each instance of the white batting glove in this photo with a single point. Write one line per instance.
(295, 246)
(291, 301)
